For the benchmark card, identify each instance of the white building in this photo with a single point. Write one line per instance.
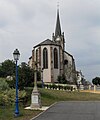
(51, 56)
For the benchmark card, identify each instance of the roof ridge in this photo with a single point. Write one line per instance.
(47, 42)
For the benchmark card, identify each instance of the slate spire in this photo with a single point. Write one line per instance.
(58, 27)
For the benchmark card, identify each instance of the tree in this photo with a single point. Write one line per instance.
(25, 76)
(62, 79)
(96, 81)
(1, 71)
(3, 84)
(7, 95)
(7, 68)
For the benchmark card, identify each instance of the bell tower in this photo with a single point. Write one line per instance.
(58, 38)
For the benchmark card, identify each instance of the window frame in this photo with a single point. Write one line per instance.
(45, 58)
(55, 58)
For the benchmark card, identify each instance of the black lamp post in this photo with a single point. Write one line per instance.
(16, 55)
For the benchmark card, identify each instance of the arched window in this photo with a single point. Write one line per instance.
(36, 55)
(65, 62)
(55, 58)
(45, 58)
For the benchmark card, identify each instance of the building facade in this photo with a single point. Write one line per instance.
(51, 57)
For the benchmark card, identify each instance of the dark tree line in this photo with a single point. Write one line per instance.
(7, 68)
(62, 79)
(96, 81)
(25, 74)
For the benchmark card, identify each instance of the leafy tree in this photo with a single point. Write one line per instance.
(11, 81)
(7, 97)
(3, 84)
(96, 81)
(1, 71)
(62, 79)
(7, 68)
(25, 76)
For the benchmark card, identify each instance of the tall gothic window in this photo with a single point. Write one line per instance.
(37, 55)
(55, 58)
(45, 58)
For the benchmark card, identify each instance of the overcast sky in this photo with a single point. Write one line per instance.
(25, 23)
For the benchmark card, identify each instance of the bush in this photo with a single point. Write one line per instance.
(65, 87)
(71, 88)
(3, 84)
(50, 86)
(54, 86)
(62, 79)
(46, 85)
(96, 81)
(7, 97)
(60, 87)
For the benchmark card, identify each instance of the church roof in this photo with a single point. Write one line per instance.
(47, 42)
(69, 54)
(30, 57)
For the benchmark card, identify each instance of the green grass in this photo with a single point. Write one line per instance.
(51, 96)
(7, 113)
(48, 97)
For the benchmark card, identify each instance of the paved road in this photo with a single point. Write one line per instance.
(72, 111)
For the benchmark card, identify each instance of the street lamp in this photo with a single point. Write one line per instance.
(16, 56)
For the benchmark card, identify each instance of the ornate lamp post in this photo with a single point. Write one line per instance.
(16, 55)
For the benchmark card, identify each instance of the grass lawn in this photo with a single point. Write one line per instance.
(51, 96)
(7, 113)
(48, 97)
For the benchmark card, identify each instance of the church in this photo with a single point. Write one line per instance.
(52, 59)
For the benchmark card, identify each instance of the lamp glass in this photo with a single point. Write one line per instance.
(16, 54)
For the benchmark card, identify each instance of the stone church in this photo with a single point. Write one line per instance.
(51, 57)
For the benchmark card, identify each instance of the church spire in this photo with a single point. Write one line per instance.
(58, 27)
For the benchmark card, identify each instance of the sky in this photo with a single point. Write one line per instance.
(25, 23)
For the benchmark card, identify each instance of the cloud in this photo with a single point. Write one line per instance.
(25, 23)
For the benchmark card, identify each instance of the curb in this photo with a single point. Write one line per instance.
(43, 111)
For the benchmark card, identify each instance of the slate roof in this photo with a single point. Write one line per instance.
(47, 42)
(69, 54)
